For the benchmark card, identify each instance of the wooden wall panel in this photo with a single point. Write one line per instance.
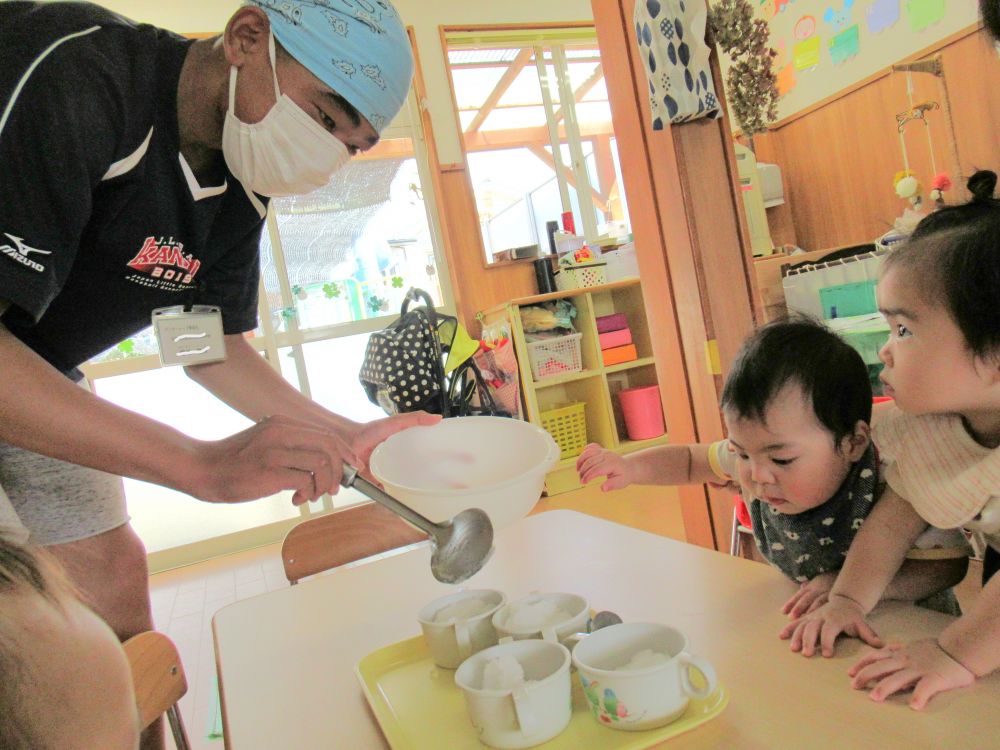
(475, 286)
(972, 70)
(838, 158)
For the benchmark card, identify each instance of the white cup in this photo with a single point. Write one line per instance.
(528, 712)
(513, 619)
(642, 697)
(452, 640)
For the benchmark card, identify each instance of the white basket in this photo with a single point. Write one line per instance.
(555, 356)
(581, 277)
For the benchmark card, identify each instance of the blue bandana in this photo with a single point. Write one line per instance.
(359, 48)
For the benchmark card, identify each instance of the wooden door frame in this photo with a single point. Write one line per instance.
(693, 253)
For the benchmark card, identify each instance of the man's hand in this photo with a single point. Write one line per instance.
(278, 453)
(370, 434)
(921, 665)
(823, 625)
(596, 461)
(811, 595)
(282, 453)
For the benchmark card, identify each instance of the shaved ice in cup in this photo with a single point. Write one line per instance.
(549, 616)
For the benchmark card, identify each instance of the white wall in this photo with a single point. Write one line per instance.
(876, 51)
(425, 16)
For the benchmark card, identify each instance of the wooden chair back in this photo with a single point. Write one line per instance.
(342, 537)
(159, 680)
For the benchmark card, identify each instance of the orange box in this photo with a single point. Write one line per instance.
(619, 354)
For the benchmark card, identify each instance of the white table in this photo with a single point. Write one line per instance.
(286, 659)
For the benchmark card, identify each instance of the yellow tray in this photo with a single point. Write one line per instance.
(419, 707)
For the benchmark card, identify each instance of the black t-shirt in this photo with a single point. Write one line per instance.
(101, 219)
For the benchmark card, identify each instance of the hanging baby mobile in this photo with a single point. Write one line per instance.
(905, 182)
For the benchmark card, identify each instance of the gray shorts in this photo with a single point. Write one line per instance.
(53, 502)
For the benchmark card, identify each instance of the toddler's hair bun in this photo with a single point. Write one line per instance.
(982, 184)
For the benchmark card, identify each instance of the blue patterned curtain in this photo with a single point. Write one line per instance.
(671, 38)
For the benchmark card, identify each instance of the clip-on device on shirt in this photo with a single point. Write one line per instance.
(189, 334)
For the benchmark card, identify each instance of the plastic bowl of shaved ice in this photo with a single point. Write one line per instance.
(492, 463)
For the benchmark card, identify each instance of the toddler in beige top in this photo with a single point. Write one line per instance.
(940, 294)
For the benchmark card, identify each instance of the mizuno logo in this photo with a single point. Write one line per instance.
(19, 252)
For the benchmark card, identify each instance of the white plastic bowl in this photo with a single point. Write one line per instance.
(493, 463)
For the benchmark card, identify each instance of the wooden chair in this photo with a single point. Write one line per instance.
(159, 681)
(343, 537)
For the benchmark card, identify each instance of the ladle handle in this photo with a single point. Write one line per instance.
(351, 478)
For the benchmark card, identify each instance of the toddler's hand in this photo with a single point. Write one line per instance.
(823, 625)
(596, 461)
(811, 595)
(921, 665)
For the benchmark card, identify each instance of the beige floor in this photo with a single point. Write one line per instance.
(184, 601)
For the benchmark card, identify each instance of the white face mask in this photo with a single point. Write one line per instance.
(286, 153)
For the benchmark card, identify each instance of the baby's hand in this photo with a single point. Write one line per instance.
(823, 625)
(921, 665)
(811, 595)
(596, 461)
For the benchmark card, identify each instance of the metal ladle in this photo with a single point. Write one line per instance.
(460, 546)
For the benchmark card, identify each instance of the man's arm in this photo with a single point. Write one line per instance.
(246, 382)
(42, 411)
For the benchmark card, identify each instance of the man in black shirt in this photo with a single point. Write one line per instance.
(135, 167)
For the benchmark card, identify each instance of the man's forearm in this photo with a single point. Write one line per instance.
(246, 382)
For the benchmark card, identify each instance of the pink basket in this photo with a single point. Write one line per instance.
(499, 368)
(643, 412)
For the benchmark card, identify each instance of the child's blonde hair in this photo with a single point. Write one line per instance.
(25, 573)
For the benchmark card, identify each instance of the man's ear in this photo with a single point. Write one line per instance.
(245, 35)
(853, 446)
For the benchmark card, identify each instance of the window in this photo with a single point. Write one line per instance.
(352, 249)
(519, 93)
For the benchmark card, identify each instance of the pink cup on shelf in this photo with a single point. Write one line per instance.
(643, 412)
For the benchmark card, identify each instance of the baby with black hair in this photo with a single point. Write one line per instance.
(940, 293)
(797, 406)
